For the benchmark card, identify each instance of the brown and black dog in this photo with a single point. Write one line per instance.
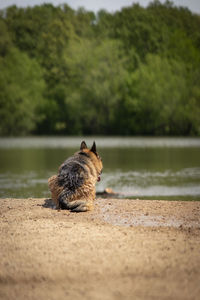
(74, 186)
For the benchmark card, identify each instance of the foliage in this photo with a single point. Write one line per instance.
(161, 99)
(96, 73)
(135, 71)
(21, 88)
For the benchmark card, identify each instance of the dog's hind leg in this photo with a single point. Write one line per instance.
(76, 205)
(62, 200)
(82, 206)
(79, 206)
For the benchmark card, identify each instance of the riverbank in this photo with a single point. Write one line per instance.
(124, 249)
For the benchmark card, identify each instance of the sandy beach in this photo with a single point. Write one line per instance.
(124, 249)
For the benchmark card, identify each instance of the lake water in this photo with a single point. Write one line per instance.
(144, 168)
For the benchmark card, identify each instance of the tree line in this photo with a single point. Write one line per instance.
(132, 72)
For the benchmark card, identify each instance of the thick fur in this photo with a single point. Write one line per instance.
(74, 186)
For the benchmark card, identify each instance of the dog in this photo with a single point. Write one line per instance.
(74, 186)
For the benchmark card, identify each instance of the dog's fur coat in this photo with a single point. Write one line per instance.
(74, 186)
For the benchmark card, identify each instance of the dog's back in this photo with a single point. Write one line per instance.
(74, 172)
(76, 180)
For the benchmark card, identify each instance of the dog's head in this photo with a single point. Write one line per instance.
(93, 155)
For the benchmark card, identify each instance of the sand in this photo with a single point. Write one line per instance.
(124, 249)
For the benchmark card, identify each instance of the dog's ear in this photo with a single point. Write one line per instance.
(83, 145)
(94, 149)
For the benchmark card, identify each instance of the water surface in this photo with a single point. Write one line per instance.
(150, 168)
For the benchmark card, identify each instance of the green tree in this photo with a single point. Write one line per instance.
(21, 88)
(96, 75)
(162, 99)
(105, 73)
(5, 39)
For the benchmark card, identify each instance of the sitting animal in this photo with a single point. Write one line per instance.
(74, 186)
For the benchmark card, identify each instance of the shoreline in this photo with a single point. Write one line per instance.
(124, 249)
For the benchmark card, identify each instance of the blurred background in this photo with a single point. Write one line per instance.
(134, 71)
(108, 68)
